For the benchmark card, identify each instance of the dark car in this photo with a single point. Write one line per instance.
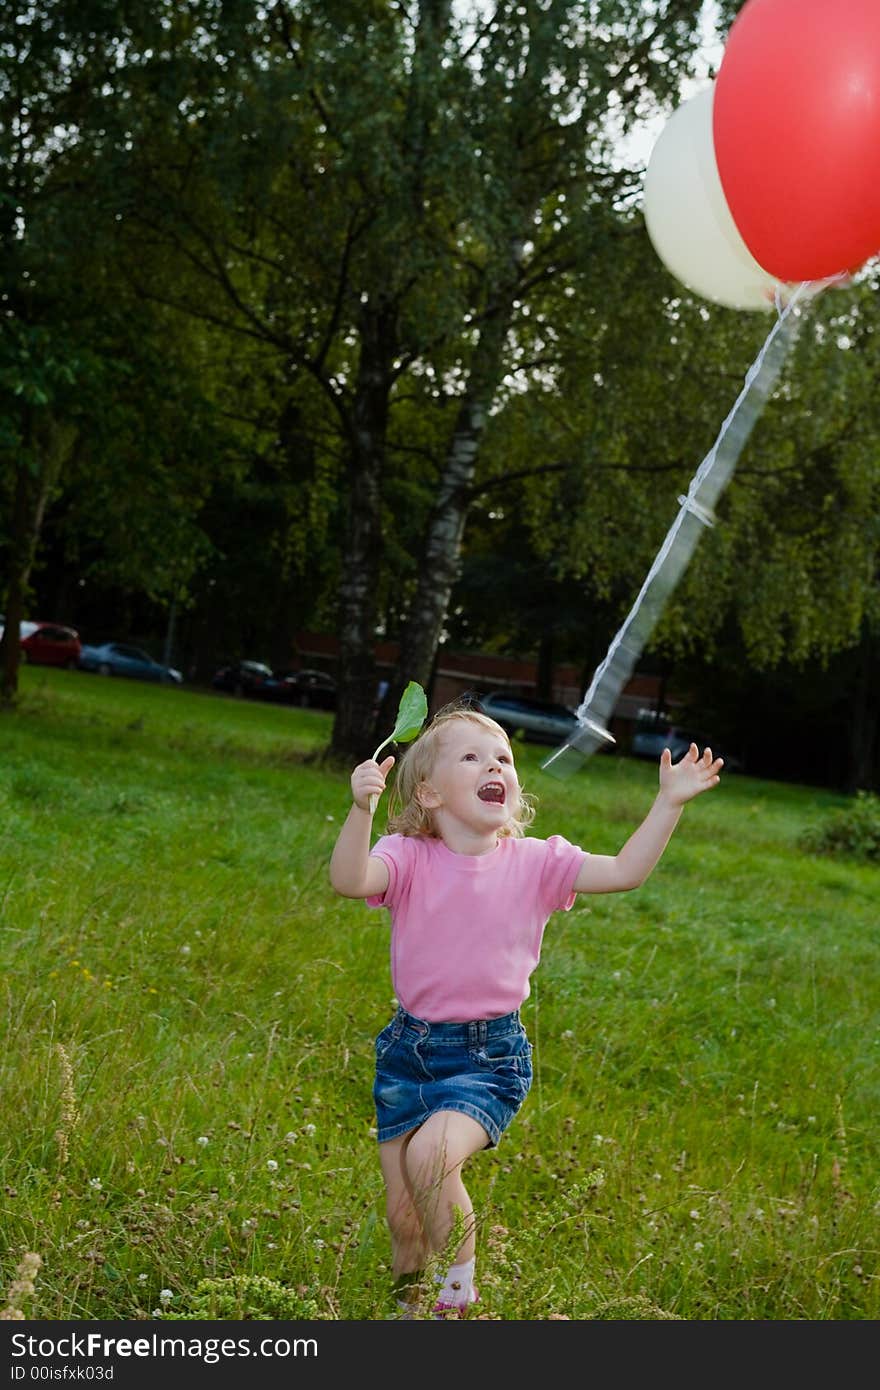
(541, 721)
(655, 732)
(308, 688)
(50, 644)
(123, 659)
(244, 678)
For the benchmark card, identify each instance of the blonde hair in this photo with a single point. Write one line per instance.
(406, 814)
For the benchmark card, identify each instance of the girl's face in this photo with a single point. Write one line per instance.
(473, 787)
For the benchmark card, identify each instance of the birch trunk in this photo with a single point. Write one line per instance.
(441, 562)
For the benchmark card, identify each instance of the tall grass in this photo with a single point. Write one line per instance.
(188, 1016)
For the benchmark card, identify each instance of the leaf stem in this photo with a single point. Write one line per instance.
(381, 746)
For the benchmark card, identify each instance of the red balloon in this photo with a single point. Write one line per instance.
(796, 127)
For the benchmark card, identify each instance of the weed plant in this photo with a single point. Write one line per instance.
(853, 832)
(186, 1127)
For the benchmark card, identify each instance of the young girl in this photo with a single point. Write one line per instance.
(469, 896)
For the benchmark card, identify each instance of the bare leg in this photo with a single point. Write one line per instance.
(434, 1157)
(409, 1251)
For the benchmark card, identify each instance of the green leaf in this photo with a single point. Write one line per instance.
(411, 715)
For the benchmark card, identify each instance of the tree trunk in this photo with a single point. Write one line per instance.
(544, 675)
(45, 447)
(354, 724)
(442, 549)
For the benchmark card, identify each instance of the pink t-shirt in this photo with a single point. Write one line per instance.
(466, 930)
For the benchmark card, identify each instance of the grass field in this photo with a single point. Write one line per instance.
(189, 1014)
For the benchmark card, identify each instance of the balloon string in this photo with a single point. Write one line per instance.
(708, 481)
(751, 380)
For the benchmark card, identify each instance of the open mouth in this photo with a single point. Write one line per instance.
(492, 791)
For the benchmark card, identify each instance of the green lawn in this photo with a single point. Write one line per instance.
(189, 1014)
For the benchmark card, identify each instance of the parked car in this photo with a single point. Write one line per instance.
(258, 681)
(655, 732)
(540, 721)
(243, 678)
(308, 687)
(50, 644)
(47, 644)
(651, 736)
(122, 659)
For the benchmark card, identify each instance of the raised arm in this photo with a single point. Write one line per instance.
(352, 872)
(679, 783)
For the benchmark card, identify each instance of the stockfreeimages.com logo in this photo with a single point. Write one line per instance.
(95, 1345)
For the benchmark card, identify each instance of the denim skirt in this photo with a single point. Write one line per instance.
(482, 1069)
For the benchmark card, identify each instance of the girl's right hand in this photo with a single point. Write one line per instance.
(368, 780)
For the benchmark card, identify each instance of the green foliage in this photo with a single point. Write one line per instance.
(850, 833)
(793, 558)
(101, 411)
(241, 1297)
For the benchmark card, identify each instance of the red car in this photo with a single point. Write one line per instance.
(50, 644)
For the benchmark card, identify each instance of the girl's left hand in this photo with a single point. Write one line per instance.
(695, 772)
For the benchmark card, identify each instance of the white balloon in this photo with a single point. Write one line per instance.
(687, 217)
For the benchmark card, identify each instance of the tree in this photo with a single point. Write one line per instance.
(84, 382)
(418, 294)
(384, 243)
(545, 209)
(44, 360)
